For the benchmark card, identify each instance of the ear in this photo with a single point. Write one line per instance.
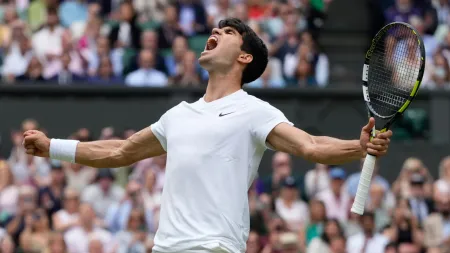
(245, 58)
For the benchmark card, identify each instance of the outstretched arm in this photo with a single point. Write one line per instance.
(102, 154)
(327, 150)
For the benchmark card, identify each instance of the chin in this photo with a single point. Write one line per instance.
(205, 62)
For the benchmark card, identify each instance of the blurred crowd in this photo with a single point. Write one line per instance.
(53, 207)
(431, 18)
(152, 42)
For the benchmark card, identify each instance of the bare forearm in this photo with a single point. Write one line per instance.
(101, 154)
(328, 150)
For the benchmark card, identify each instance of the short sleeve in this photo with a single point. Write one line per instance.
(159, 130)
(264, 119)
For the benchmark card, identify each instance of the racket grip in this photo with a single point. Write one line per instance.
(364, 184)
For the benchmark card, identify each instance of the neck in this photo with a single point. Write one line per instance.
(88, 227)
(221, 85)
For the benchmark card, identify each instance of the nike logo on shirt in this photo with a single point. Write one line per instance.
(223, 114)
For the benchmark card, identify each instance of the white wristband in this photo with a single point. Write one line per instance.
(63, 150)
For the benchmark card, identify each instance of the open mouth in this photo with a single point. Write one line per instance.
(211, 43)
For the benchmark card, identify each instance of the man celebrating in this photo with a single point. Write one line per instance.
(214, 147)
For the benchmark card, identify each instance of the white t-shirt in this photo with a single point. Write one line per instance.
(376, 244)
(296, 216)
(213, 153)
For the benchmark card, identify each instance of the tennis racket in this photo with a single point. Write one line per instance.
(392, 73)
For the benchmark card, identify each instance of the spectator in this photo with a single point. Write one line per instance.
(443, 183)
(169, 29)
(187, 72)
(304, 74)
(401, 186)
(104, 194)
(290, 208)
(420, 205)
(118, 214)
(353, 180)
(149, 40)
(18, 56)
(437, 225)
(47, 43)
(317, 180)
(429, 41)
(72, 11)
(50, 197)
(36, 234)
(401, 11)
(438, 73)
(56, 244)
(369, 241)
(77, 238)
(105, 74)
(391, 248)
(377, 205)
(253, 243)
(66, 76)
(68, 216)
(175, 61)
(332, 228)
(9, 192)
(267, 80)
(133, 238)
(317, 220)
(128, 33)
(78, 176)
(150, 194)
(146, 75)
(192, 17)
(216, 12)
(10, 19)
(338, 245)
(336, 199)
(27, 202)
(103, 50)
(405, 228)
(34, 71)
(150, 10)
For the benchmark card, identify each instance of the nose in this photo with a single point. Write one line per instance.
(216, 31)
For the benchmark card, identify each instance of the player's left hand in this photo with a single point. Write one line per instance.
(379, 145)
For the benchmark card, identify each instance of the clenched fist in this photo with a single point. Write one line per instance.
(36, 143)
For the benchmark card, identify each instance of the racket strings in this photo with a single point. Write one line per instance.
(394, 68)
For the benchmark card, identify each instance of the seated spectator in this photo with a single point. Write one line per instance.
(57, 65)
(150, 194)
(253, 243)
(50, 197)
(169, 29)
(409, 248)
(66, 76)
(87, 30)
(216, 12)
(317, 220)
(78, 176)
(127, 34)
(56, 244)
(34, 72)
(103, 50)
(150, 10)
(438, 73)
(368, 241)
(27, 203)
(304, 75)
(338, 244)
(437, 225)
(175, 61)
(118, 214)
(377, 205)
(36, 234)
(10, 19)
(132, 239)
(47, 42)
(103, 194)
(404, 227)
(105, 74)
(401, 186)
(429, 41)
(421, 205)
(317, 180)
(149, 40)
(401, 11)
(68, 217)
(9, 192)
(192, 17)
(336, 199)
(18, 55)
(146, 75)
(353, 180)
(443, 183)
(290, 208)
(188, 72)
(332, 228)
(78, 238)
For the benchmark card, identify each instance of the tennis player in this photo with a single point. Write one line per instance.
(214, 147)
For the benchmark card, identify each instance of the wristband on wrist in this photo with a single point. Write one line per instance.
(63, 150)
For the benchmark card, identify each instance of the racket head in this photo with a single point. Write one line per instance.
(392, 73)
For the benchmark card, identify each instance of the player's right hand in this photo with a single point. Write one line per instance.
(36, 143)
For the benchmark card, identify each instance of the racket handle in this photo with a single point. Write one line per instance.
(364, 184)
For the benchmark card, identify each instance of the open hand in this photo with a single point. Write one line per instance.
(379, 145)
(36, 143)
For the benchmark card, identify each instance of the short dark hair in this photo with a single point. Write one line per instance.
(253, 45)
